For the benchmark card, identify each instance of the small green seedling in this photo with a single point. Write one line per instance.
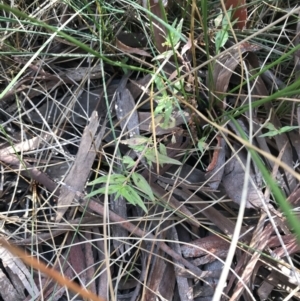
(222, 34)
(131, 188)
(273, 131)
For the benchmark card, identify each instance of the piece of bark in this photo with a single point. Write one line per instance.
(76, 259)
(8, 292)
(155, 278)
(103, 284)
(90, 263)
(204, 246)
(119, 206)
(184, 290)
(81, 166)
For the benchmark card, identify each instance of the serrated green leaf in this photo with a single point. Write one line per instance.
(137, 140)
(114, 178)
(177, 33)
(132, 197)
(128, 161)
(150, 155)
(225, 22)
(168, 121)
(202, 144)
(218, 20)
(141, 183)
(221, 39)
(177, 86)
(162, 149)
(162, 159)
(275, 132)
(164, 55)
(111, 190)
(270, 126)
(269, 134)
(118, 193)
(287, 128)
(174, 35)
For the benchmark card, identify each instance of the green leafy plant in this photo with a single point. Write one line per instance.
(121, 185)
(222, 34)
(273, 131)
(131, 185)
(202, 144)
(146, 147)
(175, 35)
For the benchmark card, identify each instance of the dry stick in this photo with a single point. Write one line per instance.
(30, 171)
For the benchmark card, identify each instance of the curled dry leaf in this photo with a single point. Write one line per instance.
(187, 46)
(234, 177)
(226, 65)
(77, 259)
(82, 165)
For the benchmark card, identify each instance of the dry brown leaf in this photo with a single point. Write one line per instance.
(78, 74)
(167, 284)
(215, 169)
(202, 246)
(127, 49)
(126, 112)
(155, 278)
(233, 181)
(8, 292)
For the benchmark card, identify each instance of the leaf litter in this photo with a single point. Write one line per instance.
(103, 177)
